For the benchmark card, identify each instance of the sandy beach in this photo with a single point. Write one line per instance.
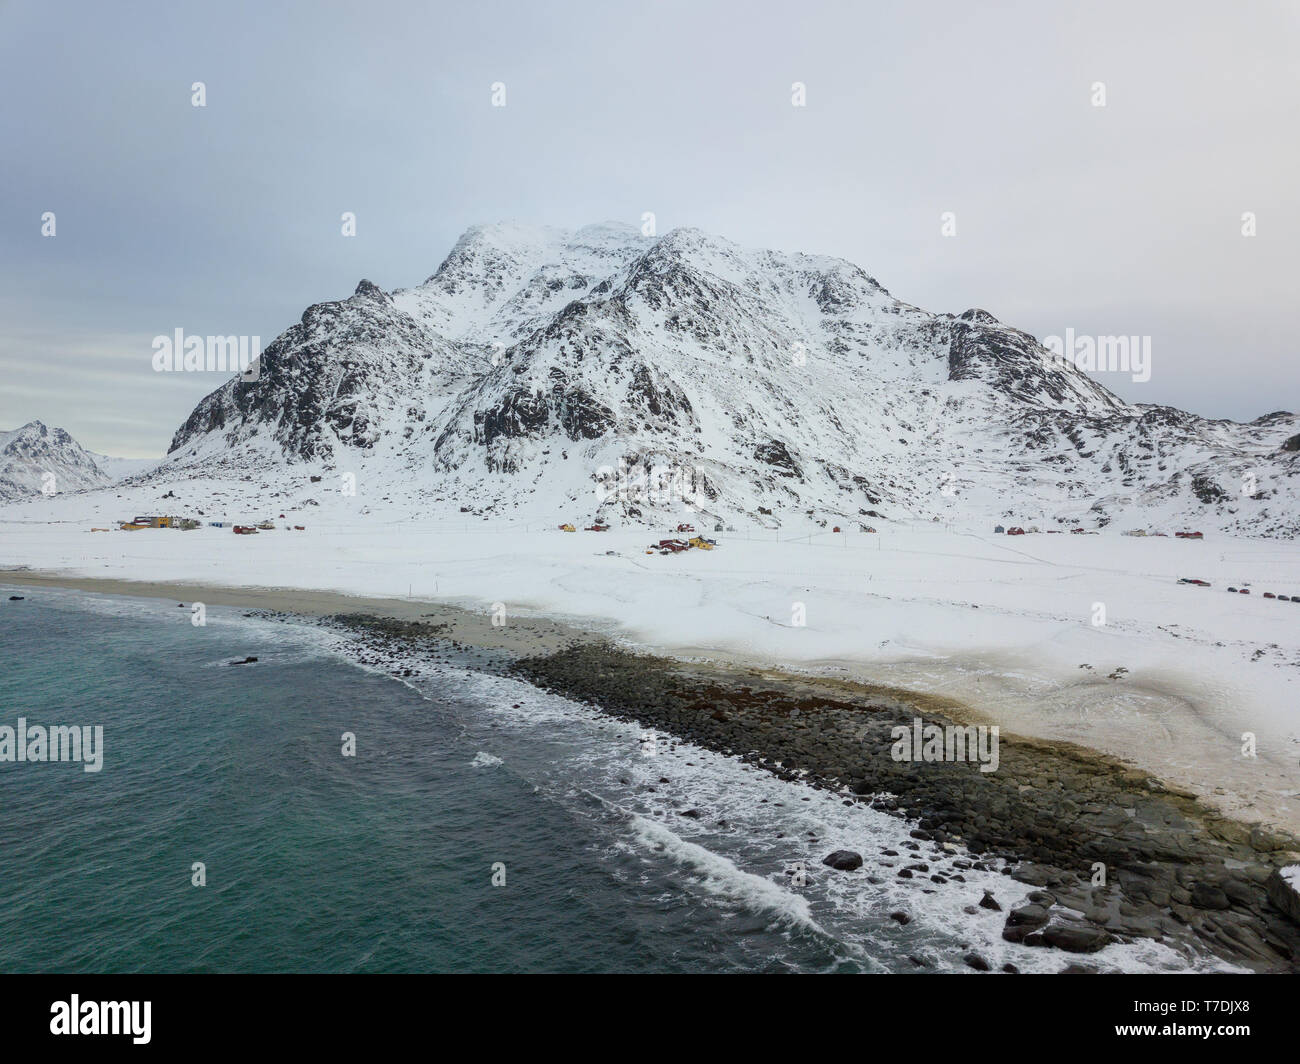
(530, 635)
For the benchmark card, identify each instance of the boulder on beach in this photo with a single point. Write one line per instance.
(1071, 937)
(1031, 915)
(1020, 922)
(843, 860)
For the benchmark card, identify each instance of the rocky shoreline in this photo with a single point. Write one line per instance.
(1176, 870)
(1114, 853)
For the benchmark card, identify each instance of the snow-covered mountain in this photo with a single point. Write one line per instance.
(550, 373)
(38, 460)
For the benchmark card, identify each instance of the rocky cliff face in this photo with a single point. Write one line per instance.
(766, 387)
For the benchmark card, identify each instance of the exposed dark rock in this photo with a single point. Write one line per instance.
(843, 860)
(1071, 937)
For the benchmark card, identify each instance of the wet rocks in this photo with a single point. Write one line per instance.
(1041, 922)
(1071, 937)
(1207, 896)
(1029, 916)
(843, 860)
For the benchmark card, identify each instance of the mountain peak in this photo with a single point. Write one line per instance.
(369, 290)
(34, 425)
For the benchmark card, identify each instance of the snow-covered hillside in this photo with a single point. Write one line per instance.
(545, 374)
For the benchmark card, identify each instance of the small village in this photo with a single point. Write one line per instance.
(1016, 530)
(188, 524)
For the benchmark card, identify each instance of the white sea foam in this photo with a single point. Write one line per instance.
(751, 829)
(720, 876)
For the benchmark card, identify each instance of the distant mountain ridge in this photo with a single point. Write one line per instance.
(36, 459)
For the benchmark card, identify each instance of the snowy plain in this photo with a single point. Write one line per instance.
(1027, 632)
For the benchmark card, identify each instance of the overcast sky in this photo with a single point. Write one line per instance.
(225, 219)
